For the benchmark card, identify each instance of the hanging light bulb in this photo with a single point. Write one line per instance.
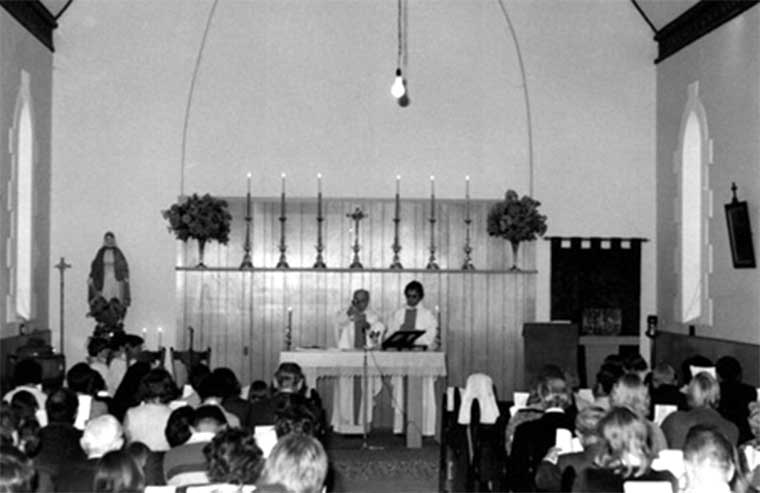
(398, 89)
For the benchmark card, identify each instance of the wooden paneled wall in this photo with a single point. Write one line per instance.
(242, 315)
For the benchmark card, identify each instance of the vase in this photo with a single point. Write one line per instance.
(201, 248)
(515, 247)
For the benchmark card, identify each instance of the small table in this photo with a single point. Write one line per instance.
(415, 365)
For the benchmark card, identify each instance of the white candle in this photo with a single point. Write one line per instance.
(467, 196)
(283, 183)
(249, 182)
(145, 334)
(160, 335)
(319, 182)
(248, 198)
(432, 185)
(290, 317)
(398, 184)
(432, 196)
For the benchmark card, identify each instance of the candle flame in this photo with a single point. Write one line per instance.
(249, 175)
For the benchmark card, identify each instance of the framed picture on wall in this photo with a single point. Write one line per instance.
(740, 234)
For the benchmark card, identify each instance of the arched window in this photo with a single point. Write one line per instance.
(691, 220)
(23, 205)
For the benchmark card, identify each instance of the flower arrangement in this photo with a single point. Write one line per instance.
(516, 219)
(202, 218)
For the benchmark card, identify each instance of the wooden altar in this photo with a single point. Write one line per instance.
(243, 314)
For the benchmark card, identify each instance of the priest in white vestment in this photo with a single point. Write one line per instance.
(355, 328)
(414, 316)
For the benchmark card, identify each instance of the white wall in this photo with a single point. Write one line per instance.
(303, 87)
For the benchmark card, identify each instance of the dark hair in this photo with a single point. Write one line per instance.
(61, 406)
(24, 404)
(258, 390)
(415, 286)
(118, 472)
(197, 374)
(157, 384)
(133, 340)
(29, 436)
(84, 380)
(635, 363)
(140, 453)
(8, 423)
(96, 345)
(210, 386)
(177, 430)
(608, 374)
(233, 457)
(126, 395)
(230, 385)
(27, 371)
(209, 413)
(17, 472)
(289, 377)
(729, 369)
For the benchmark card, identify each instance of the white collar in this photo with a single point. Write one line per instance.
(200, 436)
(554, 410)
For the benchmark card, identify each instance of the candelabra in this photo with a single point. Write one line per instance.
(320, 261)
(467, 265)
(283, 262)
(247, 263)
(396, 245)
(432, 264)
(357, 216)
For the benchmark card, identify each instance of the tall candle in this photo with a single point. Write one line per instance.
(432, 196)
(398, 196)
(248, 198)
(398, 184)
(160, 334)
(145, 334)
(283, 183)
(282, 197)
(319, 182)
(319, 194)
(467, 196)
(290, 317)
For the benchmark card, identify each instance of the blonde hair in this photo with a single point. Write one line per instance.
(554, 392)
(625, 448)
(703, 391)
(298, 462)
(631, 392)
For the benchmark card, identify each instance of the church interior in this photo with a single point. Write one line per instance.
(336, 149)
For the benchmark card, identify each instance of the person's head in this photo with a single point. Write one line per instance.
(629, 391)
(209, 419)
(360, 300)
(293, 415)
(708, 457)
(230, 385)
(83, 380)
(109, 239)
(414, 293)
(127, 394)
(8, 424)
(624, 444)
(754, 418)
(703, 391)
(586, 424)
(663, 374)
(554, 392)
(636, 363)
(197, 374)
(29, 436)
(17, 472)
(288, 377)
(729, 369)
(101, 435)
(258, 391)
(608, 374)
(140, 453)
(157, 386)
(118, 472)
(298, 463)
(210, 386)
(61, 406)
(133, 345)
(178, 425)
(696, 360)
(98, 347)
(27, 372)
(233, 457)
(24, 404)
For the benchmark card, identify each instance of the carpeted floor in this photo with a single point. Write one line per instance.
(387, 466)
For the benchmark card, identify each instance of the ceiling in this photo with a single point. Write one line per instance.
(659, 12)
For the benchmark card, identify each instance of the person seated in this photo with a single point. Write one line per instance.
(98, 355)
(629, 391)
(260, 406)
(27, 376)
(26, 406)
(118, 472)
(751, 448)
(195, 376)
(87, 384)
(702, 396)
(608, 374)
(735, 396)
(297, 464)
(708, 461)
(211, 392)
(125, 349)
(151, 463)
(17, 474)
(185, 464)
(623, 455)
(664, 389)
(356, 327)
(696, 360)
(233, 457)
(231, 400)
(100, 436)
(126, 395)
(533, 439)
(415, 316)
(141, 422)
(635, 363)
(60, 440)
(289, 379)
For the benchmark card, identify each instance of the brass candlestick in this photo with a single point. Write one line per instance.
(283, 262)
(320, 261)
(467, 265)
(432, 264)
(357, 216)
(247, 263)
(396, 245)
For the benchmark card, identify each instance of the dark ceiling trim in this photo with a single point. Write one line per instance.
(699, 20)
(33, 15)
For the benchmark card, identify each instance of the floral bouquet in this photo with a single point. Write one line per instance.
(516, 219)
(202, 218)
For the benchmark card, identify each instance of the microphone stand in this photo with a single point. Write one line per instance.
(365, 395)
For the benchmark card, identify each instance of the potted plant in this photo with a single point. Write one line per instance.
(516, 219)
(201, 218)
